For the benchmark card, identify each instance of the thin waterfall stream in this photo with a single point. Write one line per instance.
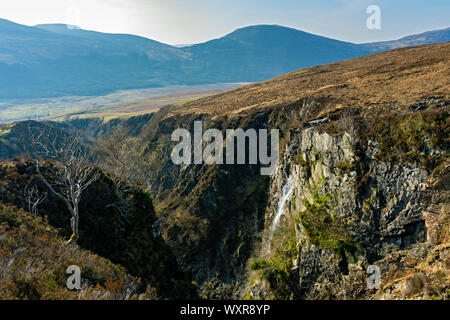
(288, 190)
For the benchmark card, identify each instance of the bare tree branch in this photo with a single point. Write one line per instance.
(71, 167)
(33, 198)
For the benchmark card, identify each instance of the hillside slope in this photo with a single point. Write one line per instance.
(34, 259)
(372, 132)
(429, 37)
(398, 77)
(53, 60)
(130, 239)
(261, 52)
(39, 62)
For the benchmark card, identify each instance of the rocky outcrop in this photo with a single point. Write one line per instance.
(353, 208)
(211, 215)
(374, 202)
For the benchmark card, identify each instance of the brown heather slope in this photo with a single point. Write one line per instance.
(399, 78)
(34, 260)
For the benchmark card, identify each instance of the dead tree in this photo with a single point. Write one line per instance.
(71, 168)
(33, 198)
(122, 156)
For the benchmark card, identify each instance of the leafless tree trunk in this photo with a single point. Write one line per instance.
(33, 198)
(123, 156)
(71, 167)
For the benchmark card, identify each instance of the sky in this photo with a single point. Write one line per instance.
(195, 21)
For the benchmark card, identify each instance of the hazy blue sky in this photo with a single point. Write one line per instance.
(193, 21)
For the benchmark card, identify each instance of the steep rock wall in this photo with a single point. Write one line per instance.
(352, 208)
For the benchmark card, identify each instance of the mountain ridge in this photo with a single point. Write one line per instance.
(56, 28)
(428, 37)
(45, 60)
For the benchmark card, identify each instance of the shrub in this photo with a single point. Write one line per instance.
(326, 230)
(277, 268)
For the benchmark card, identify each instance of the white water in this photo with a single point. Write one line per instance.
(288, 189)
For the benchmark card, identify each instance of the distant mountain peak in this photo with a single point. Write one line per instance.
(277, 33)
(267, 28)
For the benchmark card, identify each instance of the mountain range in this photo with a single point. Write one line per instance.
(57, 60)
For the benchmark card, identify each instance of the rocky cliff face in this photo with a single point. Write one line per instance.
(365, 144)
(368, 189)
(211, 215)
(354, 206)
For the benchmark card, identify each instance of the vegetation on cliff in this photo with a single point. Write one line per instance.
(130, 239)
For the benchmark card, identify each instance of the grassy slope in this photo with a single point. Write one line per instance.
(34, 259)
(131, 241)
(398, 77)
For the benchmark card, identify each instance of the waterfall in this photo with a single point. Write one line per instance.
(288, 189)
